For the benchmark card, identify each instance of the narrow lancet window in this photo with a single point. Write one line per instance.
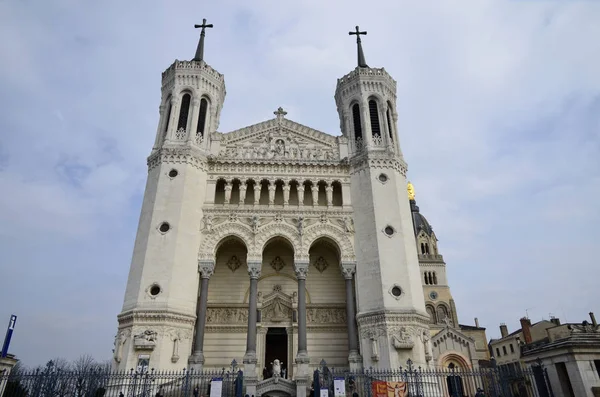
(389, 122)
(357, 122)
(374, 115)
(185, 110)
(202, 117)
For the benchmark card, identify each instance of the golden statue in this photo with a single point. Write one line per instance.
(411, 191)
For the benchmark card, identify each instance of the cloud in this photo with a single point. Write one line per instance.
(498, 116)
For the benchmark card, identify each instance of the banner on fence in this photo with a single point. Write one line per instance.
(216, 387)
(389, 389)
(324, 392)
(339, 387)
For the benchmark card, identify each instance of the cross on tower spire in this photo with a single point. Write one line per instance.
(200, 50)
(361, 56)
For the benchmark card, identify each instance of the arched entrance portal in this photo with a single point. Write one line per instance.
(277, 307)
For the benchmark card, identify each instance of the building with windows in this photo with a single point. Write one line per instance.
(569, 352)
(277, 241)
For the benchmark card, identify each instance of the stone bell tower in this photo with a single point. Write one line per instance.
(392, 321)
(156, 324)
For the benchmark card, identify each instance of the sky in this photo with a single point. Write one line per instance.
(499, 122)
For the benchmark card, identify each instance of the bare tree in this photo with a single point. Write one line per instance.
(85, 363)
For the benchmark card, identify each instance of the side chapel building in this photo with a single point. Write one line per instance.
(279, 241)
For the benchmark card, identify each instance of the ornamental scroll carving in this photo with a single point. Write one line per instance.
(326, 315)
(227, 315)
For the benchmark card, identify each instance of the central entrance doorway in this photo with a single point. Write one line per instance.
(276, 348)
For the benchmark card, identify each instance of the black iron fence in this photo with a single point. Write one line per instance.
(55, 383)
(402, 382)
(417, 382)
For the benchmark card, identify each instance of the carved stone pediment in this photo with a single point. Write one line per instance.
(276, 386)
(277, 310)
(277, 306)
(279, 139)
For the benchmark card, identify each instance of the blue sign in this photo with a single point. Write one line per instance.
(9, 332)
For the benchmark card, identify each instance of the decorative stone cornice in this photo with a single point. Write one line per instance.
(178, 155)
(154, 317)
(374, 161)
(383, 317)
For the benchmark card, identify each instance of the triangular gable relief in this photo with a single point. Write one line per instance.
(452, 333)
(277, 306)
(279, 139)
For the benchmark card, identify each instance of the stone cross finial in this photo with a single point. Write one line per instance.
(200, 50)
(280, 113)
(361, 56)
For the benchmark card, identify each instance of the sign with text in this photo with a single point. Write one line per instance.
(216, 387)
(339, 387)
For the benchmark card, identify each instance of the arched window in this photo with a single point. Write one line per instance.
(374, 116)
(185, 110)
(431, 312)
(202, 117)
(422, 248)
(427, 248)
(388, 115)
(430, 278)
(434, 278)
(442, 313)
(357, 122)
(425, 278)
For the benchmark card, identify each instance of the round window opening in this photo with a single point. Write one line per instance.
(154, 290)
(383, 178)
(173, 173)
(396, 291)
(164, 227)
(389, 230)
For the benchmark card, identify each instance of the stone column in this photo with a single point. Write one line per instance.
(286, 194)
(366, 121)
(250, 358)
(302, 358)
(354, 357)
(228, 187)
(160, 129)
(257, 188)
(329, 192)
(272, 188)
(193, 119)
(300, 194)
(173, 118)
(196, 360)
(314, 190)
(243, 188)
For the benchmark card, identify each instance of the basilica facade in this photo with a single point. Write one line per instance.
(277, 241)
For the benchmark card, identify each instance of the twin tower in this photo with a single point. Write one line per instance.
(274, 228)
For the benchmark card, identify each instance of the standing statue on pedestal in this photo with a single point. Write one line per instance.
(276, 368)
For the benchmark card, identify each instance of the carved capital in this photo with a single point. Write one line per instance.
(206, 268)
(254, 268)
(301, 269)
(348, 269)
